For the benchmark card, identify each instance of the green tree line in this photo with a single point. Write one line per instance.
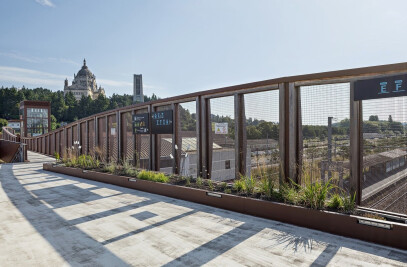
(63, 108)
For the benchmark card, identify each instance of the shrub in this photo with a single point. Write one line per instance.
(291, 194)
(146, 175)
(239, 185)
(267, 186)
(161, 178)
(188, 181)
(110, 168)
(349, 203)
(152, 176)
(57, 157)
(249, 184)
(335, 202)
(199, 182)
(316, 193)
(210, 184)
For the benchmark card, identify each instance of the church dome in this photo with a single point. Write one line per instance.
(84, 71)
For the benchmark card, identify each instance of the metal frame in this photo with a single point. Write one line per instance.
(290, 140)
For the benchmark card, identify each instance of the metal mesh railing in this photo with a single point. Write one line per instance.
(262, 131)
(101, 148)
(384, 178)
(127, 147)
(223, 138)
(189, 144)
(325, 132)
(165, 142)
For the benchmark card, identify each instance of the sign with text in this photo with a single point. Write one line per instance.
(390, 86)
(221, 128)
(161, 122)
(141, 123)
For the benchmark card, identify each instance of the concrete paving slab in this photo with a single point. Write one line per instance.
(52, 219)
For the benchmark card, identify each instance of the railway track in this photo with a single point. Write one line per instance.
(392, 199)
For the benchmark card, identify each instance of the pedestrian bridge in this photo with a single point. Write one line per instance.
(54, 219)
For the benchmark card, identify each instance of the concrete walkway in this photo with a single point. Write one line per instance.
(49, 219)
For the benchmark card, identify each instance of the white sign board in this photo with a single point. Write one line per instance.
(112, 131)
(221, 128)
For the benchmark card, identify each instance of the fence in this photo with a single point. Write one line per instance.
(307, 128)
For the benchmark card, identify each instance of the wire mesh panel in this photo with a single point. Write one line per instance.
(75, 135)
(101, 148)
(262, 131)
(46, 138)
(58, 142)
(127, 138)
(69, 136)
(166, 161)
(52, 151)
(384, 174)
(112, 133)
(43, 151)
(84, 138)
(325, 115)
(91, 137)
(142, 145)
(223, 138)
(189, 157)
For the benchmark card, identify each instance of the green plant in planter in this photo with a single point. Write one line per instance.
(57, 157)
(336, 202)
(199, 182)
(161, 178)
(110, 168)
(267, 185)
(349, 203)
(188, 181)
(210, 185)
(316, 193)
(249, 184)
(239, 185)
(291, 194)
(228, 191)
(146, 175)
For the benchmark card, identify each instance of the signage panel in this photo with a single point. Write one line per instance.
(389, 86)
(141, 123)
(161, 122)
(221, 128)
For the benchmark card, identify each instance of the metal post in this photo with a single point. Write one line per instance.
(118, 133)
(329, 147)
(240, 136)
(355, 145)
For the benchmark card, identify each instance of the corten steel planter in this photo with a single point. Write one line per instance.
(331, 222)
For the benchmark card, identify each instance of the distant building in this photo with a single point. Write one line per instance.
(83, 84)
(15, 125)
(35, 117)
(138, 96)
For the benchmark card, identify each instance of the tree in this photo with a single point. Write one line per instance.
(3, 123)
(54, 123)
(390, 119)
(373, 118)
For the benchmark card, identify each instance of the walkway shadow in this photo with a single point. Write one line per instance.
(76, 247)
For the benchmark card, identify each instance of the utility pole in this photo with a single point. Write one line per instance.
(329, 146)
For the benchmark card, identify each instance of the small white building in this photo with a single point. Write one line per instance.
(15, 125)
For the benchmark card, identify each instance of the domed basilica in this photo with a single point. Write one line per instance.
(84, 83)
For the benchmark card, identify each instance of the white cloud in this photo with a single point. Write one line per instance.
(45, 3)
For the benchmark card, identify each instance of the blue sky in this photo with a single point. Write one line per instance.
(186, 46)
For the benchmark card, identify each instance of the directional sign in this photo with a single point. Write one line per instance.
(141, 123)
(388, 86)
(161, 122)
